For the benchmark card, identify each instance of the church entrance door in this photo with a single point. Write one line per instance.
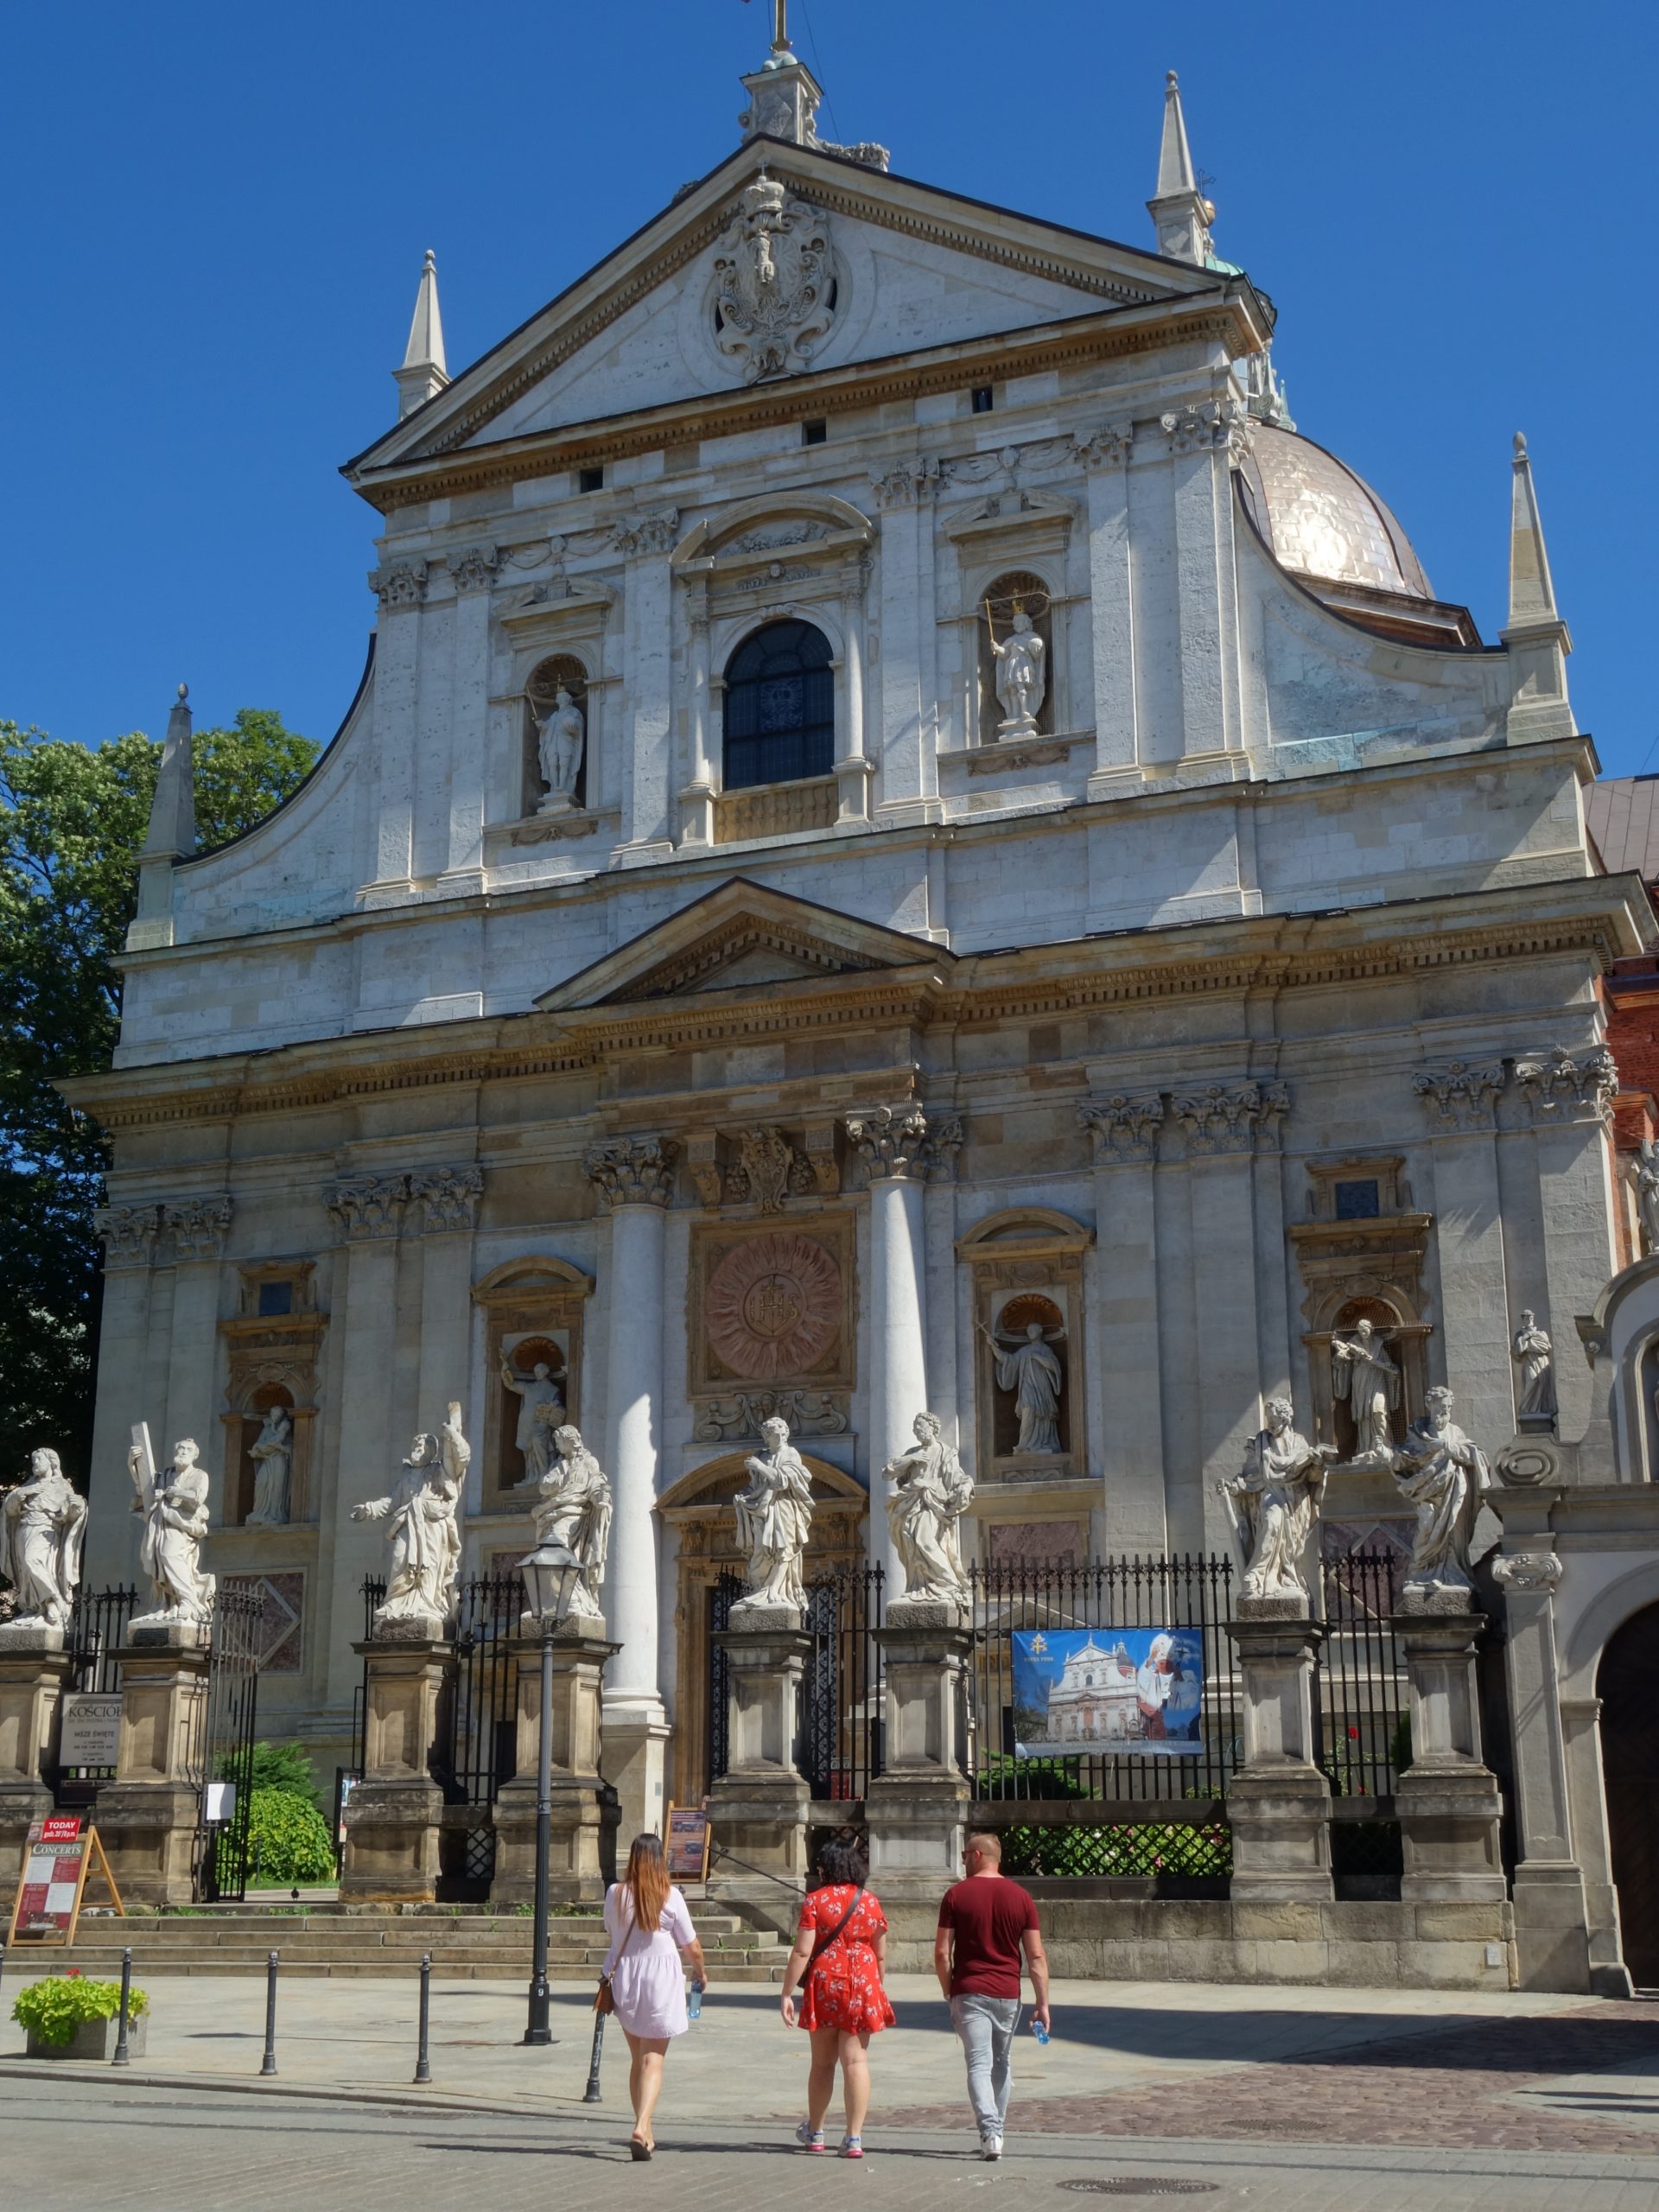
(1630, 1762)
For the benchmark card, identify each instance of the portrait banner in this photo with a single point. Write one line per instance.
(1116, 1693)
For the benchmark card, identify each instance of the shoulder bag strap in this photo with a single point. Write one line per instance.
(825, 1941)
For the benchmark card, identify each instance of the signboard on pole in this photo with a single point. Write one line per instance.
(90, 1730)
(687, 1844)
(57, 1859)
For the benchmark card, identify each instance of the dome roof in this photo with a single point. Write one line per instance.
(1323, 521)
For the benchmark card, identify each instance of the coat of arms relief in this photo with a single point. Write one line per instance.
(775, 284)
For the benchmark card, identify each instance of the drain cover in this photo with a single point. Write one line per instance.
(1142, 2185)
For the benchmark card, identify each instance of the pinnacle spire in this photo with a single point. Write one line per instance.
(1532, 589)
(172, 810)
(1180, 213)
(1174, 155)
(1537, 641)
(424, 373)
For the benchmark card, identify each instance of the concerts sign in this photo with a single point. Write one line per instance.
(57, 1857)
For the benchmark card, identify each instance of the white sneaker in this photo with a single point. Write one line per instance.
(990, 2147)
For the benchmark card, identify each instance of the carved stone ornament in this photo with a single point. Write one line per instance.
(773, 1306)
(633, 1171)
(908, 483)
(197, 1226)
(652, 533)
(1213, 426)
(763, 541)
(1106, 448)
(775, 284)
(768, 1169)
(1123, 1127)
(1556, 1086)
(904, 1142)
(475, 570)
(1532, 1573)
(744, 1414)
(1224, 1117)
(448, 1196)
(1461, 1096)
(129, 1235)
(369, 1206)
(402, 584)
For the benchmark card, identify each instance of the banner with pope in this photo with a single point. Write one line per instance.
(1137, 1691)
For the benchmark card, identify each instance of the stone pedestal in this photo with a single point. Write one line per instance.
(1447, 1799)
(394, 1814)
(1278, 1802)
(580, 1652)
(759, 1805)
(918, 1807)
(33, 1666)
(148, 1817)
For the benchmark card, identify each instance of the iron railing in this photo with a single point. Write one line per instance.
(842, 1685)
(98, 1629)
(477, 1745)
(224, 1751)
(1361, 1701)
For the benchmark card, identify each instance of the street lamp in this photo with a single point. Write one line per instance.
(550, 1573)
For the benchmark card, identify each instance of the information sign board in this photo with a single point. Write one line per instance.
(90, 1730)
(687, 1844)
(57, 1859)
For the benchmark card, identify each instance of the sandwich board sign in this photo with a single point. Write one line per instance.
(688, 1842)
(58, 1859)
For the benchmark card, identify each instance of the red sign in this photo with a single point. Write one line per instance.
(58, 1827)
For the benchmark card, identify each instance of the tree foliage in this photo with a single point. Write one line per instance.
(72, 820)
(288, 1841)
(286, 1768)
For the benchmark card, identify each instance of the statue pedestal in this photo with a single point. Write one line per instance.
(917, 1806)
(759, 1807)
(148, 1817)
(580, 1651)
(394, 1814)
(1278, 1801)
(1448, 1800)
(33, 1667)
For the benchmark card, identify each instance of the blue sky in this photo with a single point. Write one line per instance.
(215, 218)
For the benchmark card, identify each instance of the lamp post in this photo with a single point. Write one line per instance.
(550, 1575)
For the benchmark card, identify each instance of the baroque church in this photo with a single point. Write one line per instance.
(905, 840)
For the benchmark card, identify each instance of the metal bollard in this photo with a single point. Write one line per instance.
(590, 2095)
(423, 2065)
(268, 2064)
(123, 2055)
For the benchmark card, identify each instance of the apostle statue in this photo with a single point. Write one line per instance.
(1443, 1475)
(43, 1524)
(1020, 682)
(272, 1454)
(560, 737)
(774, 1514)
(1274, 1500)
(534, 1435)
(422, 1518)
(174, 1505)
(930, 1491)
(1363, 1373)
(574, 1509)
(1644, 1171)
(1027, 1366)
(1535, 1355)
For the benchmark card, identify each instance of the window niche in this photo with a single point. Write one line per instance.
(532, 1310)
(273, 1344)
(1026, 1267)
(548, 745)
(1019, 592)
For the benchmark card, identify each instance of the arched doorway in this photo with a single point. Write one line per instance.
(1630, 1765)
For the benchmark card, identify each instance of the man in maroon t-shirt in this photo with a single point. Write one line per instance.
(987, 1927)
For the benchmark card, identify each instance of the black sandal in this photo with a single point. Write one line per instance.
(638, 2151)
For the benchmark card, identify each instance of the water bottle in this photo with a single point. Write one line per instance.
(1038, 2031)
(694, 2002)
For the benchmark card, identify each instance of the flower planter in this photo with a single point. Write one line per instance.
(94, 2040)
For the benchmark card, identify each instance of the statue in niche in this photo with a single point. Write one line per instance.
(1021, 682)
(560, 738)
(774, 1515)
(1363, 1373)
(1442, 1474)
(174, 1505)
(272, 1454)
(422, 1521)
(541, 1408)
(1274, 1500)
(930, 1491)
(1535, 1355)
(1030, 1368)
(574, 1509)
(42, 1526)
(1644, 1171)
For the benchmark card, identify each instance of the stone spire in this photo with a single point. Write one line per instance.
(1537, 638)
(1180, 212)
(1532, 591)
(423, 374)
(172, 835)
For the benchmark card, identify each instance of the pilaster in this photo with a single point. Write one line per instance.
(197, 1228)
(1126, 1127)
(1570, 1099)
(1460, 1101)
(908, 765)
(853, 768)
(1105, 457)
(465, 761)
(646, 542)
(697, 799)
(444, 1203)
(129, 1235)
(400, 588)
(394, 1816)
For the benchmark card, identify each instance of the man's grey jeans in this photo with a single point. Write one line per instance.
(986, 2025)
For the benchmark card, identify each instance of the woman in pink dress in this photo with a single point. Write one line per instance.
(651, 1931)
(838, 1961)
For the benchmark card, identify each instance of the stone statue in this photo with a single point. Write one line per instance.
(560, 736)
(272, 1454)
(424, 1527)
(534, 1435)
(1645, 1171)
(1536, 1356)
(1032, 1372)
(1363, 1373)
(174, 1505)
(574, 1509)
(930, 1491)
(1274, 1501)
(1443, 1475)
(774, 1514)
(1020, 681)
(43, 1524)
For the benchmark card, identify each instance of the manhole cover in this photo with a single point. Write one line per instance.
(1142, 2185)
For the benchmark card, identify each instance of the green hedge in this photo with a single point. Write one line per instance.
(288, 1840)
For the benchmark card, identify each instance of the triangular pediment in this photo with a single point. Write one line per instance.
(743, 936)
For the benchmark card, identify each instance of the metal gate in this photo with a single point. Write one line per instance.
(225, 1756)
(98, 1629)
(842, 1685)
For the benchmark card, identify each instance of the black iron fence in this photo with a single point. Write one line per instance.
(842, 1686)
(1363, 1704)
(98, 1629)
(223, 1756)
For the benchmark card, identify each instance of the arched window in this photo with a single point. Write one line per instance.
(780, 706)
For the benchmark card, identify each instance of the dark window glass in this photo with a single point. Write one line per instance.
(590, 480)
(1356, 1201)
(780, 706)
(984, 399)
(275, 1298)
(813, 433)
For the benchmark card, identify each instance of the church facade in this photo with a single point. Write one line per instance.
(905, 841)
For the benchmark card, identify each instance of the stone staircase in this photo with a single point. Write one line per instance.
(466, 1943)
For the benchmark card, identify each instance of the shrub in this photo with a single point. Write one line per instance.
(284, 1767)
(52, 2009)
(288, 1840)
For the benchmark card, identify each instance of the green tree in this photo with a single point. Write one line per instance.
(72, 820)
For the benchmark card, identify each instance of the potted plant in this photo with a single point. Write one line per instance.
(66, 2016)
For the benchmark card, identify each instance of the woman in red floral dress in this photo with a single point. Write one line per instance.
(839, 1954)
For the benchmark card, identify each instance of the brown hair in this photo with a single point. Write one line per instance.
(646, 1881)
(989, 1846)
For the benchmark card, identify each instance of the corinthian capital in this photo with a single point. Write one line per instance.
(475, 570)
(402, 584)
(633, 1171)
(1462, 1096)
(1558, 1087)
(1534, 1573)
(1122, 1127)
(448, 1196)
(369, 1206)
(1106, 448)
(197, 1226)
(129, 1235)
(652, 533)
(907, 484)
(1221, 1117)
(904, 1143)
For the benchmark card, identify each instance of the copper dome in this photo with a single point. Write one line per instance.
(1322, 521)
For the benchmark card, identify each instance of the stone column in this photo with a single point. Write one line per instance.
(852, 769)
(899, 1148)
(634, 1177)
(1582, 1727)
(1447, 1799)
(113, 1532)
(759, 1807)
(1105, 458)
(909, 772)
(647, 712)
(395, 1814)
(1201, 441)
(1571, 1100)
(447, 1199)
(1278, 1801)
(1460, 1101)
(33, 1667)
(580, 1651)
(463, 757)
(146, 1817)
(1125, 1355)
(697, 799)
(401, 589)
(197, 1227)
(917, 1806)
